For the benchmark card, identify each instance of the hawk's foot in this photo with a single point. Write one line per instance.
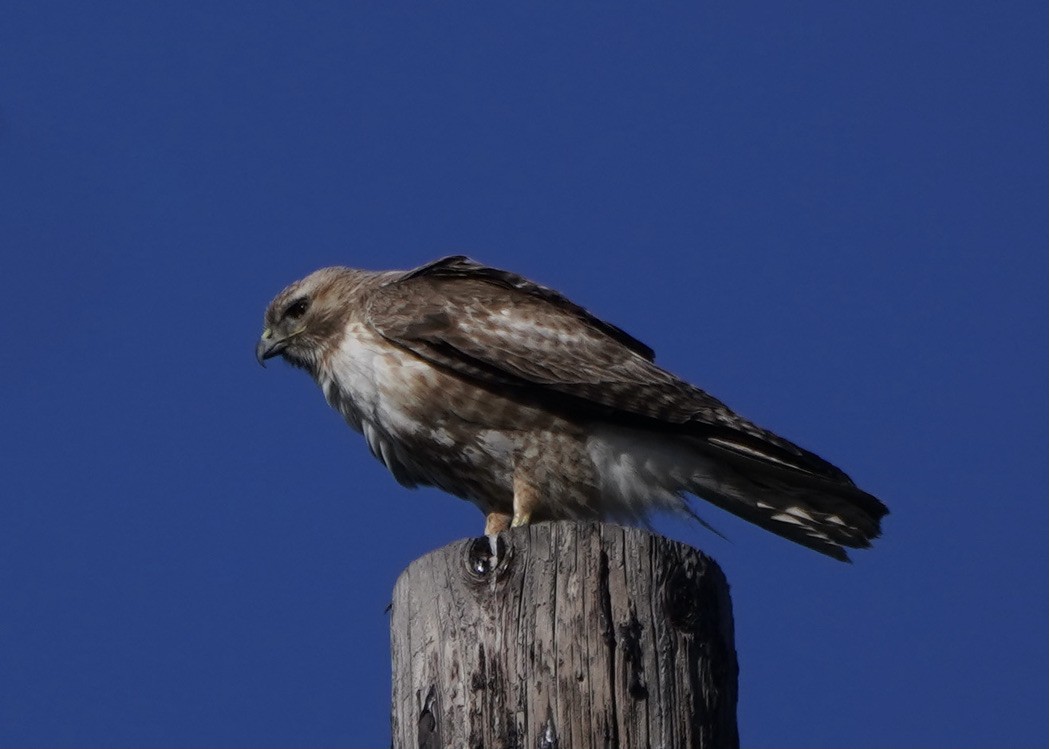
(521, 518)
(496, 522)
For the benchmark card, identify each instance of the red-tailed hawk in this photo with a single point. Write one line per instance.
(505, 393)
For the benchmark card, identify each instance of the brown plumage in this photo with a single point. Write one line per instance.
(507, 394)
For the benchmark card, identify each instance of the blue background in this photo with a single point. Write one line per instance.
(831, 215)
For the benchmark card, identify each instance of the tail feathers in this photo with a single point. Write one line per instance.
(825, 518)
(790, 492)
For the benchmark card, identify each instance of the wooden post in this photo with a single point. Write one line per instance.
(570, 636)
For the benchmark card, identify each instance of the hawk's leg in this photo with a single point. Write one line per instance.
(554, 476)
(496, 522)
(526, 500)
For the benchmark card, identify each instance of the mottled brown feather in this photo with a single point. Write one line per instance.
(457, 320)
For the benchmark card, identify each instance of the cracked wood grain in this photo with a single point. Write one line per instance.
(564, 636)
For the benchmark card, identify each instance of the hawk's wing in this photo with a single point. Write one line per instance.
(502, 331)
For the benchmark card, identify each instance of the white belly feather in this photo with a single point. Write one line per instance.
(389, 396)
(642, 471)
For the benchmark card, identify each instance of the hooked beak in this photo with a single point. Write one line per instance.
(268, 346)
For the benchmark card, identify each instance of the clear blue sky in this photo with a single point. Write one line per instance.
(832, 215)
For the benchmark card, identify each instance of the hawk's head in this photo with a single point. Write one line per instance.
(308, 317)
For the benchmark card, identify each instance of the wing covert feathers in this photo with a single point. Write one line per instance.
(460, 266)
(503, 332)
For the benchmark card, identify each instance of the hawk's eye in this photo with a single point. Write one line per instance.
(297, 308)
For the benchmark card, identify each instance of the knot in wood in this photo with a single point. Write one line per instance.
(682, 597)
(426, 729)
(548, 732)
(630, 643)
(484, 555)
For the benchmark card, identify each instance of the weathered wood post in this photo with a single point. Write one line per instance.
(571, 636)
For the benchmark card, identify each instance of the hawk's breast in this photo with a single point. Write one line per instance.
(427, 426)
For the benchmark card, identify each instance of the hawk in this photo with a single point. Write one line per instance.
(509, 395)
